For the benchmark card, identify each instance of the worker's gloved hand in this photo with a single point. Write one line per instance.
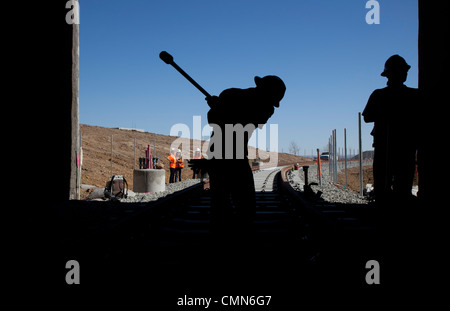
(198, 164)
(212, 101)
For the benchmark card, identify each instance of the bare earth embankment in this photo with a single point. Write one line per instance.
(96, 144)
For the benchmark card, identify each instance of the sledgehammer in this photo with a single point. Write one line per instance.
(168, 59)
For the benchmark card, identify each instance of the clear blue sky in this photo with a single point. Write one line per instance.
(328, 56)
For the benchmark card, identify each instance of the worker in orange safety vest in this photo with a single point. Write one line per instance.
(179, 165)
(197, 155)
(172, 165)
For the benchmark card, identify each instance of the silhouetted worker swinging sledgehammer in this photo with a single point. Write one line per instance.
(231, 178)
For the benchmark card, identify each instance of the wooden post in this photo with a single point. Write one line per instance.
(74, 122)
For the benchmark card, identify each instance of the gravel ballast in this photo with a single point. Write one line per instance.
(330, 192)
(170, 188)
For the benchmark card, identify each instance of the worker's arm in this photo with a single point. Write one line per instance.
(223, 107)
(198, 164)
(213, 101)
(264, 116)
(370, 111)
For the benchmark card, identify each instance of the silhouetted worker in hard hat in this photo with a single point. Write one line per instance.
(234, 115)
(395, 111)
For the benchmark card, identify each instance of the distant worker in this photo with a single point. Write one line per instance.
(179, 165)
(231, 177)
(197, 156)
(395, 111)
(172, 165)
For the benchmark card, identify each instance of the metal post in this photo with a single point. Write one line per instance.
(135, 153)
(338, 156)
(334, 157)
(319, 168)
(360, 156)
(111, 155)
(345, 155)
(329, 157)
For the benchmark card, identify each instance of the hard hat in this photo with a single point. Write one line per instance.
(178, 150)
(172, 149)
(272, 84)
(395, 63)
(197, 149)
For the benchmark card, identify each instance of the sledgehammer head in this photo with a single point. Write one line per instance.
(166, 57)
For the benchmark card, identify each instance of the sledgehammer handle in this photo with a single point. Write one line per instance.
(190, 80)
(168, 59)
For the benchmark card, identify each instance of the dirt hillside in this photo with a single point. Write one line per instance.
(353, 177)
(96, 144)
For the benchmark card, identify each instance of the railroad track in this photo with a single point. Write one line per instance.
(265, 179)
(171, 237)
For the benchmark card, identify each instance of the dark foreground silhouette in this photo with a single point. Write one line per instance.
(398, 143)
(231, 178)
(395, 110)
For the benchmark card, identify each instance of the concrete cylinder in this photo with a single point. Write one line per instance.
(149, 180)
